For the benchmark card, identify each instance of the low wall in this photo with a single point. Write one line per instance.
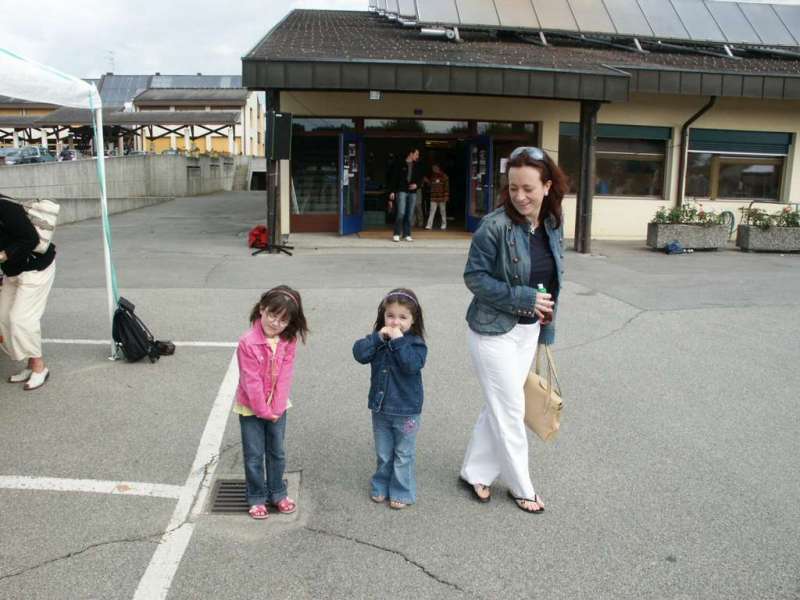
(127, 177)
(80, 209)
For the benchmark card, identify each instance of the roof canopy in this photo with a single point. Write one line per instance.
(28, 80)
(354, 51)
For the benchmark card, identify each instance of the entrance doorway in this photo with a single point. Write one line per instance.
(381, 157)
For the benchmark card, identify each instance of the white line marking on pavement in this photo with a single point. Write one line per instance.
(157, 579)
(106, 342)
(57, 484)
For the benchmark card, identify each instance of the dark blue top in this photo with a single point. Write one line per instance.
(395, 385)
(543, 267)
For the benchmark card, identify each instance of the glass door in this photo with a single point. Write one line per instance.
(479, 180)
(351, 183)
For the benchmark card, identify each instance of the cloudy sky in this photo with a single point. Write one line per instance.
(89, 37)
(145, 36)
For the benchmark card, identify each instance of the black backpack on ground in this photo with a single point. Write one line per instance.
(132, 336)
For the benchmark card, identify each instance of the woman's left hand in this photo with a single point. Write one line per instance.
(543, 307)
(3, 256)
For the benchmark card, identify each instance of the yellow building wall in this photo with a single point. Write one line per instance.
(612, 218)
(218, 144)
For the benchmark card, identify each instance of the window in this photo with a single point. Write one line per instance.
(736, 164)
(308, 125)
(507, 129)
(629, 160)
(314, 164)
(418, 126)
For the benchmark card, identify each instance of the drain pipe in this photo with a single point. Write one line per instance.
(685, 148)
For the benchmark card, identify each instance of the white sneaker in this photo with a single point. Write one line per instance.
(395, 238)
(427, 226)
(37, 380)
(20, 377)
(408, 238)
(444, 227)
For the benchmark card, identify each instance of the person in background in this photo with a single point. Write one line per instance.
(440, 193)
(23, 296)
(405, 181)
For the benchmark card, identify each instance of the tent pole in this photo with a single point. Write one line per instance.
(101, 170)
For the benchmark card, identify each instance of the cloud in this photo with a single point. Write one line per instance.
(91, 37)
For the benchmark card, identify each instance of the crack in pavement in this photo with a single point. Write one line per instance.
(151, 538)
(607, 335)
(396, 553)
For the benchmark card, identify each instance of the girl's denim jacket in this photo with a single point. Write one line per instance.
(497, 273)
(395, 386)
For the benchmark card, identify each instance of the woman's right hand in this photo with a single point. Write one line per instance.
(543, 307)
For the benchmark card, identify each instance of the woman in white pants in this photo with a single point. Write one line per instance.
(28, 278)
(517, 251)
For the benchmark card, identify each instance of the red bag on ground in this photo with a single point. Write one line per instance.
(258, 237)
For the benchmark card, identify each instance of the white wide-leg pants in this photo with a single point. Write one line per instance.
(499, 443)
(22, 302)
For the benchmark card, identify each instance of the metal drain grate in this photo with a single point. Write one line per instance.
(229, 496)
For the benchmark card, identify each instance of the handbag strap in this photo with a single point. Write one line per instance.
(552, 374)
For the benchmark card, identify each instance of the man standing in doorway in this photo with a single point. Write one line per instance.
(405, 182)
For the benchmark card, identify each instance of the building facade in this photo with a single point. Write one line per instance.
(677, 121)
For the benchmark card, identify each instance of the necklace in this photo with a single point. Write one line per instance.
(532, 229)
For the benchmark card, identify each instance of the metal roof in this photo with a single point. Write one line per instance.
(196, 81)
(193, 96)
(8, 100)
(348, 50)
(116, 90)
(67, 117)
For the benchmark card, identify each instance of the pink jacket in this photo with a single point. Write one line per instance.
(256, 368)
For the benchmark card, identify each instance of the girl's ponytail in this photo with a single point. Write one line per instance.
(255, 314)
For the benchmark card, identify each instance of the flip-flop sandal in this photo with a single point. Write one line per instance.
(378, 499)
(285, 506)
(259, 512)
(471, 488)
(397, 505)
(535, 499)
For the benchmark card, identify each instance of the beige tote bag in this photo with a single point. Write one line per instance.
(543, 397)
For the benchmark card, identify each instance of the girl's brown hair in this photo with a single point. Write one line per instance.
(283, 300)
(548, 171)
(403, 297)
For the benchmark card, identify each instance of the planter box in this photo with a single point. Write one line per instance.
(698, 237)
(772, 239)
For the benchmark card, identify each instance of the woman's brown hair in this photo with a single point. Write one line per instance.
(283, 300)
(548, 171)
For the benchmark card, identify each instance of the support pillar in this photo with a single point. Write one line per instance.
(231, 146)
(187, 140)
(586, 140)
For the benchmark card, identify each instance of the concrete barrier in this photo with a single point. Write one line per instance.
(81, 209)
(127, 177)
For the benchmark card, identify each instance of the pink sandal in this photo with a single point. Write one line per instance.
(286, 505)
(259, 512)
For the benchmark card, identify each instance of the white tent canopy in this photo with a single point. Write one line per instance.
(25, 79)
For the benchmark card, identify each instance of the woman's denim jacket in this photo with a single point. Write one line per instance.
(395, 386)
(497, 273)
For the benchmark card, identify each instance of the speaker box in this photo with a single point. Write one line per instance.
(279, 135)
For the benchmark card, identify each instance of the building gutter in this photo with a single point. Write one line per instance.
(685, 147)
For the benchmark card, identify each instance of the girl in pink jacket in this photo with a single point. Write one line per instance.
(266, 366)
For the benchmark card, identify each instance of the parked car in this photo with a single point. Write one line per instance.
(37, 154)
(69, 154)
(12, 156)
(172, 152)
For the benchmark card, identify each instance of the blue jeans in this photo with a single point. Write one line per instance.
(262, 442)
(405, 213)
(396, 449)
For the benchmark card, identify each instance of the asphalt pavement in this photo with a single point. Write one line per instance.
(675, 474)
